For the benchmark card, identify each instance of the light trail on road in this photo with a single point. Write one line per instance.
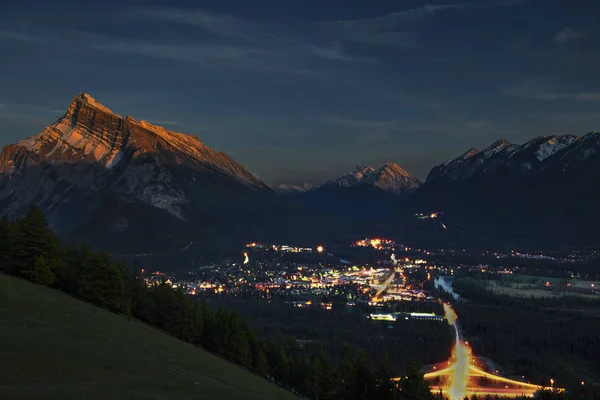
(462, 353)
(459, 378)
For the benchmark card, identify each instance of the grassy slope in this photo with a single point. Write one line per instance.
(55, 347)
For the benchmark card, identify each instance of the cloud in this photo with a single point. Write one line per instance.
(380, 129)
(538, 90)
(428, 10)
(220, 25)
(390, 29)
(263, 37)
(334, 52)
(476, 125)
(299, 59)
(28, 109)
(567, 35)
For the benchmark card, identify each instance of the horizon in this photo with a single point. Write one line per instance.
(305, 96)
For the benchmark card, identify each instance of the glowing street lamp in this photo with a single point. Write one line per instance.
(551, 382)
(320, 249)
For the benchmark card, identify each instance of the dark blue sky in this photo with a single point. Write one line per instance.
(304, 90)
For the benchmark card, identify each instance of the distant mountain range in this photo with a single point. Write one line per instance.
(141, 190)
(293, 189)
(545, 190)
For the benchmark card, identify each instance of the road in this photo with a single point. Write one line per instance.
(460, 376)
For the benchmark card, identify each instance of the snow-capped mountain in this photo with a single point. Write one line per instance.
(363, 193)
(390, 178)
(505, 157)
(293, 189)
(96, 171)
(545, 188)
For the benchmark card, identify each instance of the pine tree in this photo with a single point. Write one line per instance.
(386, 389)
(260, 362)
(42, 274)
(319, 377)
(413, 386)
(346, 375)
(197, 323)
(32, 238)
(364, 379)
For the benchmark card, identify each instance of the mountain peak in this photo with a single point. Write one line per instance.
(390, 178)
(87, 99)
(495, 148)
(394, 169)
(362, 169)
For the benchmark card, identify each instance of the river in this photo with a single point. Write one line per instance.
(446, 283)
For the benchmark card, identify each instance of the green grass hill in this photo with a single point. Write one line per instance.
(53, 346)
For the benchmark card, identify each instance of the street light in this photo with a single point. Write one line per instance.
(320, 249)
(551, 382)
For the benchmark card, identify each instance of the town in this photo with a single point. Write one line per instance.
(316, 277)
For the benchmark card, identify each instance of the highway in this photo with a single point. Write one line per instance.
(459, 376)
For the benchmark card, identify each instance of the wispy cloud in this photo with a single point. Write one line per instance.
(240, 32)
(540, 89)
(390, 29)
(476, 124)
(567, 35)
(28, 108)
(207, 55)
(334, 52)
(233, 43)
(380, 129)
(220, 25)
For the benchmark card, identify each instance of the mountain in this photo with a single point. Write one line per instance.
(545, 190)
(363, 193)
(293, 189)
(133, 187)
(389, 179)
(502, 157)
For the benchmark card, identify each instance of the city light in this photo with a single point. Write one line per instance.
(320, 249)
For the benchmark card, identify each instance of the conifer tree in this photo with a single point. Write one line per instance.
(413, 386)
(42, 274)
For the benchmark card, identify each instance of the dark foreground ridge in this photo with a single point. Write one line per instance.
(62, 348)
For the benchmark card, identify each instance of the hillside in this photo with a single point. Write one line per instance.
(62, 348)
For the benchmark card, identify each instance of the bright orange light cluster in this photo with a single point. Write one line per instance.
(375, 243)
